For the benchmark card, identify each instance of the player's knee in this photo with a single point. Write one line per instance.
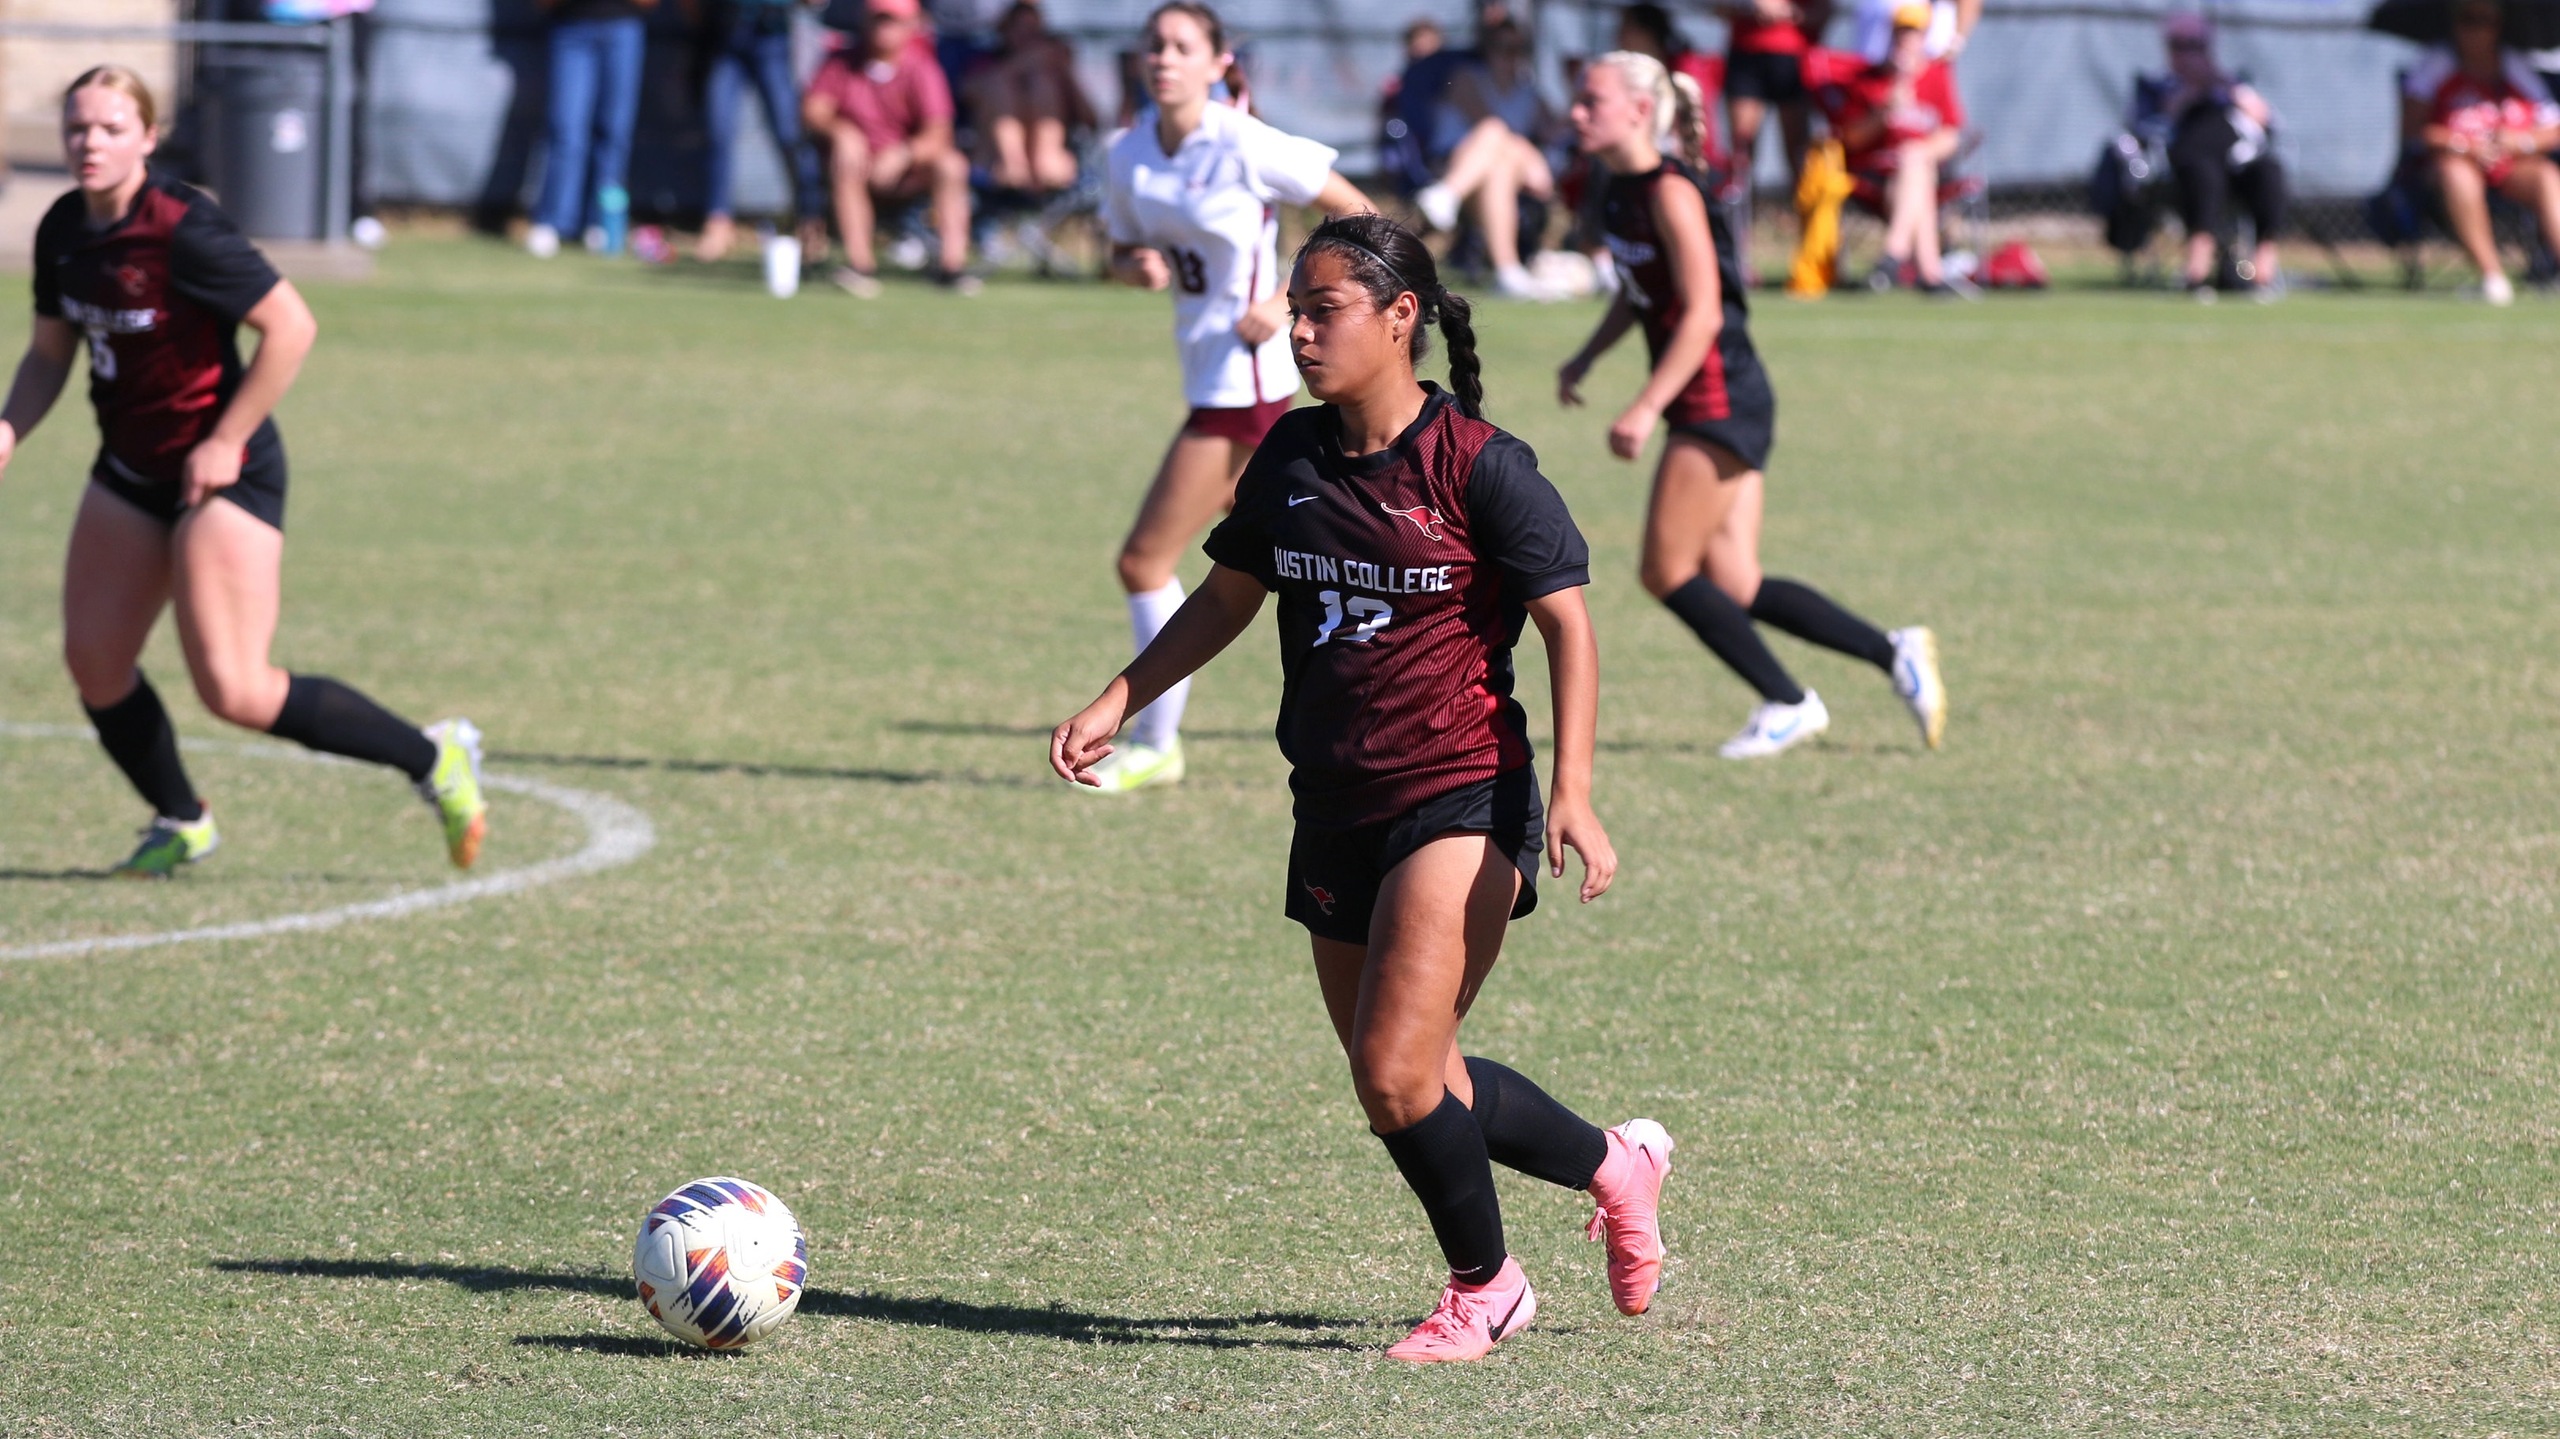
(1395, 1094)
(244, 695)
(1660, 576)
(1740, 583)
(101, 677)
(1140, 572)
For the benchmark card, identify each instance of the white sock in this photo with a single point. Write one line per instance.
(1157, 724)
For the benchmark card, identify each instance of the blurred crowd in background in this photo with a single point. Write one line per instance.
(947, 136)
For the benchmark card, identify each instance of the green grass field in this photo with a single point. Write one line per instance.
(2174, 1053)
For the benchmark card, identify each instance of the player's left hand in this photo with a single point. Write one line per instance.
(1572, 824)
(1085, 741)
(213, 465)
(1264, 320)
(1627, 436)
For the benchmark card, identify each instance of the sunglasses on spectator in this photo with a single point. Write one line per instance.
(2187, 45)
(2470, 18)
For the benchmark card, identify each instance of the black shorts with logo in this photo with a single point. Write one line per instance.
(259, 490)
(1334, 874)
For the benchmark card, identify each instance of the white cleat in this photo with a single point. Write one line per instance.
(1439, 206)
(542, 242)
(1776, 728)
(1915, 678)
(2498, 290)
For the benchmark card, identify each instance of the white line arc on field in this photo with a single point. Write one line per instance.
(617, 834)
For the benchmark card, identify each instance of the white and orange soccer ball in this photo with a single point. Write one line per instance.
(720, 1263)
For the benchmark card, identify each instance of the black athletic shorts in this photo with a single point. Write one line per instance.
(1334, 874)
(260, 489)
(1750, 425)
(1775, 79)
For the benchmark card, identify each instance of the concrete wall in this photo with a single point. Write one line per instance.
(33, 72)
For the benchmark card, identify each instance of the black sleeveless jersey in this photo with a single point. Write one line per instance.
(1635, 243)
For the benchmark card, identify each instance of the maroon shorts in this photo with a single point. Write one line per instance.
(1244, 426)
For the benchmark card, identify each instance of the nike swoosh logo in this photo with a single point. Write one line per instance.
(1783, 733)
(1496, 1331)
(1297, 500)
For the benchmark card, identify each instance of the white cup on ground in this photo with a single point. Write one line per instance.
(782, 266)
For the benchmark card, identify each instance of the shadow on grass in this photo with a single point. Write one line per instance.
(1041, 732)
(53, 876)
(619, 1344)
(759, 770)
(1303, 1331)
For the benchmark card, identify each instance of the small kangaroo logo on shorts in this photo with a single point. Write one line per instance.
(1321, 895)
(1425, 519)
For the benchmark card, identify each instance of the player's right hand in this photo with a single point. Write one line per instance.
(1146, 269)
(8, 444)
(1085, 741)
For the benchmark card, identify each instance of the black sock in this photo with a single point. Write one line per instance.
(1725, 629)
(138, 736)
(320, 713)
(1443, 1159)
(1811, 616)
(1525, 1129)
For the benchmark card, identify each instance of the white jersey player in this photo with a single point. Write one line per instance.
(1193, 206)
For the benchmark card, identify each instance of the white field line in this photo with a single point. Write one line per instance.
(617, 834)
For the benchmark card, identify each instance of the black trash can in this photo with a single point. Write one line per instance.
(265, 116)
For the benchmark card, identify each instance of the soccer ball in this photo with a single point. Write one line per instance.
(720, 1263)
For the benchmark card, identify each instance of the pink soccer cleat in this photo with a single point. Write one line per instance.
(1629, 1191)
(1470, 1319)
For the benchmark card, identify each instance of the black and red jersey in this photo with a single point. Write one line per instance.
(1630, 222)
(159, 294)
(1403, 578)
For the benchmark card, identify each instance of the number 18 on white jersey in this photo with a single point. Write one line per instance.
(1211, 209)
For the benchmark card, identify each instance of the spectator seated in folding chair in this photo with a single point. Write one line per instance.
(2199, 138)
(2478, 123)
(881, 109)
(1901, 127)
(1488, 128)
(1027, 125)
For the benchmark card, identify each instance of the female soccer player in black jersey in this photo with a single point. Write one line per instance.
(186, 499)
(1409, 541)
(1683, 281)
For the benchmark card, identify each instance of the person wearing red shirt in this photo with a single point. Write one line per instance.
(1900, 123)
(883, 110)
(2487, 123)
(1764, 67)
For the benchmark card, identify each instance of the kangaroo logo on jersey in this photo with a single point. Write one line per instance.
(133, 279)
(1425, 519)
(1321, 895)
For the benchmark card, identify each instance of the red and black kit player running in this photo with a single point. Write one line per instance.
(1409, 543)
(185, 504)
(1681, 280)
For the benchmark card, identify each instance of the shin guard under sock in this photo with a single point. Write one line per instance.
(1527, 1130)
(1723, 627)
(1443, 1159)
(137, 735)
(1159, 724)
(1812, 616)
(320, 713)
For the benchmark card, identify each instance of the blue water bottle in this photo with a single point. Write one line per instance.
(613, 212)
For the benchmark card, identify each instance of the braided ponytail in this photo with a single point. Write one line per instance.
(1388, 260)
(1466, 371)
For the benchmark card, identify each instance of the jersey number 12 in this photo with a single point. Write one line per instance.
(1368, 616)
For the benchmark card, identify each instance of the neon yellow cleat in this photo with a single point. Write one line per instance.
(1137, 766)
(169, 843)
(453, 787)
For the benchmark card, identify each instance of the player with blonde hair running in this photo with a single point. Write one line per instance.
(1683, 283)
(185, 503)
(1192, 206)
